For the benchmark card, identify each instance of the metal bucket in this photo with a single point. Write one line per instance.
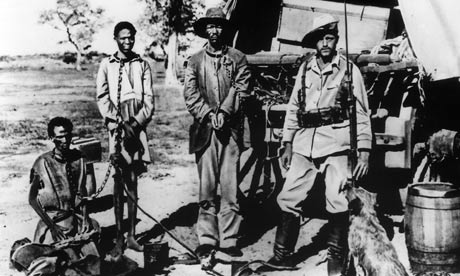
(156, 256)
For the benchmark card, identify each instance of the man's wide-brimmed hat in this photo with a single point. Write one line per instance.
(213, 16)
(321, 24)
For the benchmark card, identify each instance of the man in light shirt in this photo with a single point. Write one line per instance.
(316, 138)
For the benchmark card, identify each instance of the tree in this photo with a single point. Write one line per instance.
(78, 21)
(168, 23)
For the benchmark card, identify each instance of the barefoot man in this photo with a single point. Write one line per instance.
(125, 100)
(59, 180)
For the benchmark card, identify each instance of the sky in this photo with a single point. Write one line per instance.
(21, 34)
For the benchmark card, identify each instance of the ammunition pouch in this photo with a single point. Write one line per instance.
(321, 117)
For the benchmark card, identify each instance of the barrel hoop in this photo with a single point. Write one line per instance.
(428, 208)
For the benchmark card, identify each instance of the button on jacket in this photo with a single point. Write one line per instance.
(322, 88)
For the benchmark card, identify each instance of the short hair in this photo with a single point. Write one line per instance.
(123, 25)
(59, 121)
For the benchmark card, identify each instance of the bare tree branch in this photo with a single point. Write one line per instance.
(77, 20)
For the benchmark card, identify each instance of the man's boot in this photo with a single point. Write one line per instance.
(338, 243)
(287, 233)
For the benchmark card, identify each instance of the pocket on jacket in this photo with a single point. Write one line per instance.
(200, 134)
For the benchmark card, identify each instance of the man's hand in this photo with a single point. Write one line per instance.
(217, 120)
(86, 225)
(362, 167)
(117, 159)
(286, 157)
(128, 130)
(57, 233)
(220, 120)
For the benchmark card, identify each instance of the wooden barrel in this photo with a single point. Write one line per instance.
(432, 227)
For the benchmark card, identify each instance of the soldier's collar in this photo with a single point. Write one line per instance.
(313, 64)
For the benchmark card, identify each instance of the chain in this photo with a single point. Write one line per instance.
(119, 115)
(104, 182)
(118, 132)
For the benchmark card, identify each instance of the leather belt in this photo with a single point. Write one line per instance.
(321, 117)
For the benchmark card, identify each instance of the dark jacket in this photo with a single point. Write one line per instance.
(233, 78)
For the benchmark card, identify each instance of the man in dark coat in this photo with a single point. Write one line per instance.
(215, 78)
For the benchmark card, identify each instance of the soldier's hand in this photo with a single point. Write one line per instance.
(362, 167)
(286, 157)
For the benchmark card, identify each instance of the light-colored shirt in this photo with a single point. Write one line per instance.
(321, 91)
(136, 98)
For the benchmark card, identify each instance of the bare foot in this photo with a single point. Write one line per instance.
(131, 243)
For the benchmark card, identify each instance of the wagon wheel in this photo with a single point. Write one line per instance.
(262, 174)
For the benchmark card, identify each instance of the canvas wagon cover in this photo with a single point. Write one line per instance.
(367, 25)
(434, 30)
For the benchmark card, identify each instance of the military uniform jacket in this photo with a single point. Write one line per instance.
(321, 88)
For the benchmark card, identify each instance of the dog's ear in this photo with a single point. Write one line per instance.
(355, 206)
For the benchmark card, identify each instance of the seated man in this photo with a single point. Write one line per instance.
(59, 180)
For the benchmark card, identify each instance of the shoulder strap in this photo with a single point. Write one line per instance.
(302, 92)
(342, 95)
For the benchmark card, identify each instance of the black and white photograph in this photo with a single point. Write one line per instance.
(230, 137)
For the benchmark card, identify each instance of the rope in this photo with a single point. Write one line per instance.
(246, 267)
(118, 140)
(118, 149)
(161, 225)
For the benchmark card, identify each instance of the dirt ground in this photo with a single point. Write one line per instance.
(168, 191)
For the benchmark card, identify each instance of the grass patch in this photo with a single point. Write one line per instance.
(43, 94)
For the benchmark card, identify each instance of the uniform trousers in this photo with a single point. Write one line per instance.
(301, 176)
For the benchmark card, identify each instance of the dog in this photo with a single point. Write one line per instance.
(370, 250)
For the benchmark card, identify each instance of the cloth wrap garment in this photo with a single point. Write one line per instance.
(60, 181)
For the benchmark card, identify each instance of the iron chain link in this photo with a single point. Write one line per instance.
(118, 132)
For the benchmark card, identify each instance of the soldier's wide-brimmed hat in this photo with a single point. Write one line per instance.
(322, 24)
(213, 16)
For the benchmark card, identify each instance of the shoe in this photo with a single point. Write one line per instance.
(232, 251)
(204, 250)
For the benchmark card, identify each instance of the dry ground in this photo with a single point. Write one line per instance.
(168, 191)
